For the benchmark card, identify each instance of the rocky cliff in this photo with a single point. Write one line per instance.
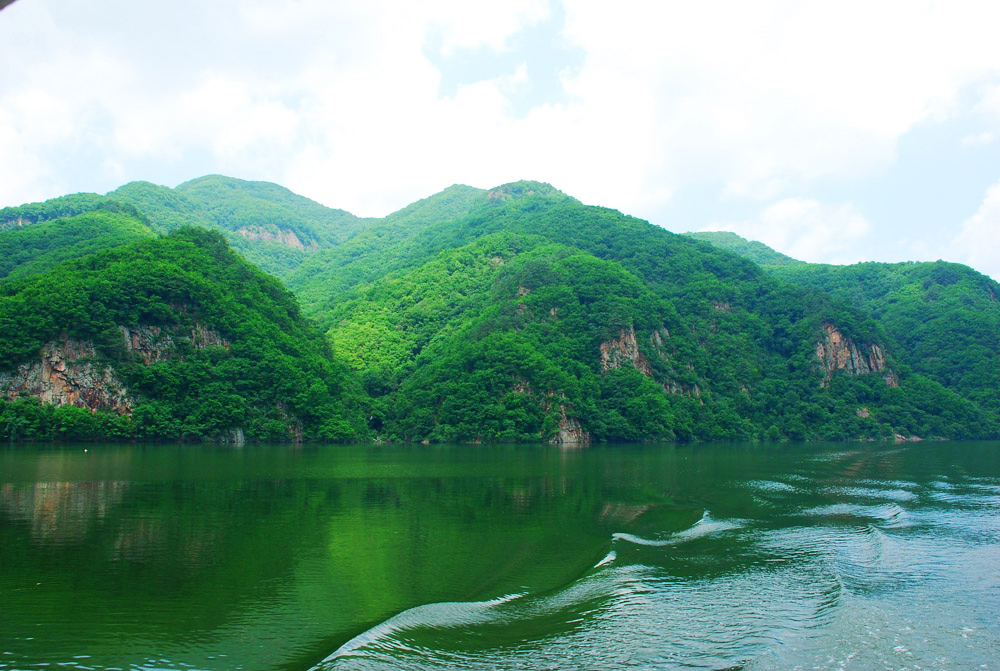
(68, 371)
(283, 236)
(571, 431)
(624, 349)
(837, 352)
(153, 343)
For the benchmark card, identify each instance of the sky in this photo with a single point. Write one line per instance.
(833, 132)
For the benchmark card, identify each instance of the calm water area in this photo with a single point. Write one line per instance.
(818, 556)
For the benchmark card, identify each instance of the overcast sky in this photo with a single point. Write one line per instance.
(834, 132)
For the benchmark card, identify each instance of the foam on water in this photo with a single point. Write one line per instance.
(706, 526)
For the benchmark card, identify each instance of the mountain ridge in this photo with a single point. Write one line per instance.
(519, 314)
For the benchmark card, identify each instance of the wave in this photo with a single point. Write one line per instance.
(706, 526)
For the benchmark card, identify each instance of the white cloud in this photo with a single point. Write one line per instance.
(986, 137)
(339, 101)
(764, 96)
(464, 24)
(989, 103)
(807, 230)
(978, 242)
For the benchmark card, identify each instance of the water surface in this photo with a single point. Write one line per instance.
(708, 556)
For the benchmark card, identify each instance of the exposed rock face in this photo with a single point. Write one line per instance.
(570, 430)
(148, 342)
(672, 387)
(521, 387)
(152, 343)
(283, 236)
(202, 337)
(66, 375)
(614, 353)
(13, 223)
(837, 352)
(235, 437)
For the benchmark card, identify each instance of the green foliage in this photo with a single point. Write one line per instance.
(757, 252)
(500, 339)
(38, 247)
(268, 366)
(508, 315)
(941, 319)
(62, 207)
(266, 223)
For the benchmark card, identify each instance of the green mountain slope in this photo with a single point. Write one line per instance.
(174, 337)
(269, 225)
(757, 252)
(941, 319)
(509, 314)
(533, 316)
(55, 208)
(34, 248)
(323, 277)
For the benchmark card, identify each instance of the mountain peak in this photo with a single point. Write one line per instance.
(522, 189)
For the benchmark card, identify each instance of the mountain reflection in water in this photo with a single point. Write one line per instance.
(709, 556)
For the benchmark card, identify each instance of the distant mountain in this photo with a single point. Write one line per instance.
(510, 314)
(35, 237)
(757, 252)
(266, 223)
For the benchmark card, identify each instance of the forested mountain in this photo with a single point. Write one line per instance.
(531, 315)
(757, 252)
(268, 224)
(33, 239)
(941, 319)
(513, 314)
(169, 338)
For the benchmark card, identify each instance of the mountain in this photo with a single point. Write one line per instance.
(174, 337)
(35, 237)
(528, 315)
(266, 223)
(941, 319)
(322, 278)
(757, 252)
(511, 314)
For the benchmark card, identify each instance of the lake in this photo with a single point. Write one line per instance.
(812, 556)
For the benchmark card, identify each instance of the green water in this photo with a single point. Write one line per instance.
(709, 556)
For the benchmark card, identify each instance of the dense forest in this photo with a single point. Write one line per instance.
(941, 319)
(509, 315)
(174, 337)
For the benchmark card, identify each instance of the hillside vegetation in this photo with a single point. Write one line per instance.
(757, 252)
(269, 225)
(529, 315)
(513, 314)
(168, 338)
(941, 319)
